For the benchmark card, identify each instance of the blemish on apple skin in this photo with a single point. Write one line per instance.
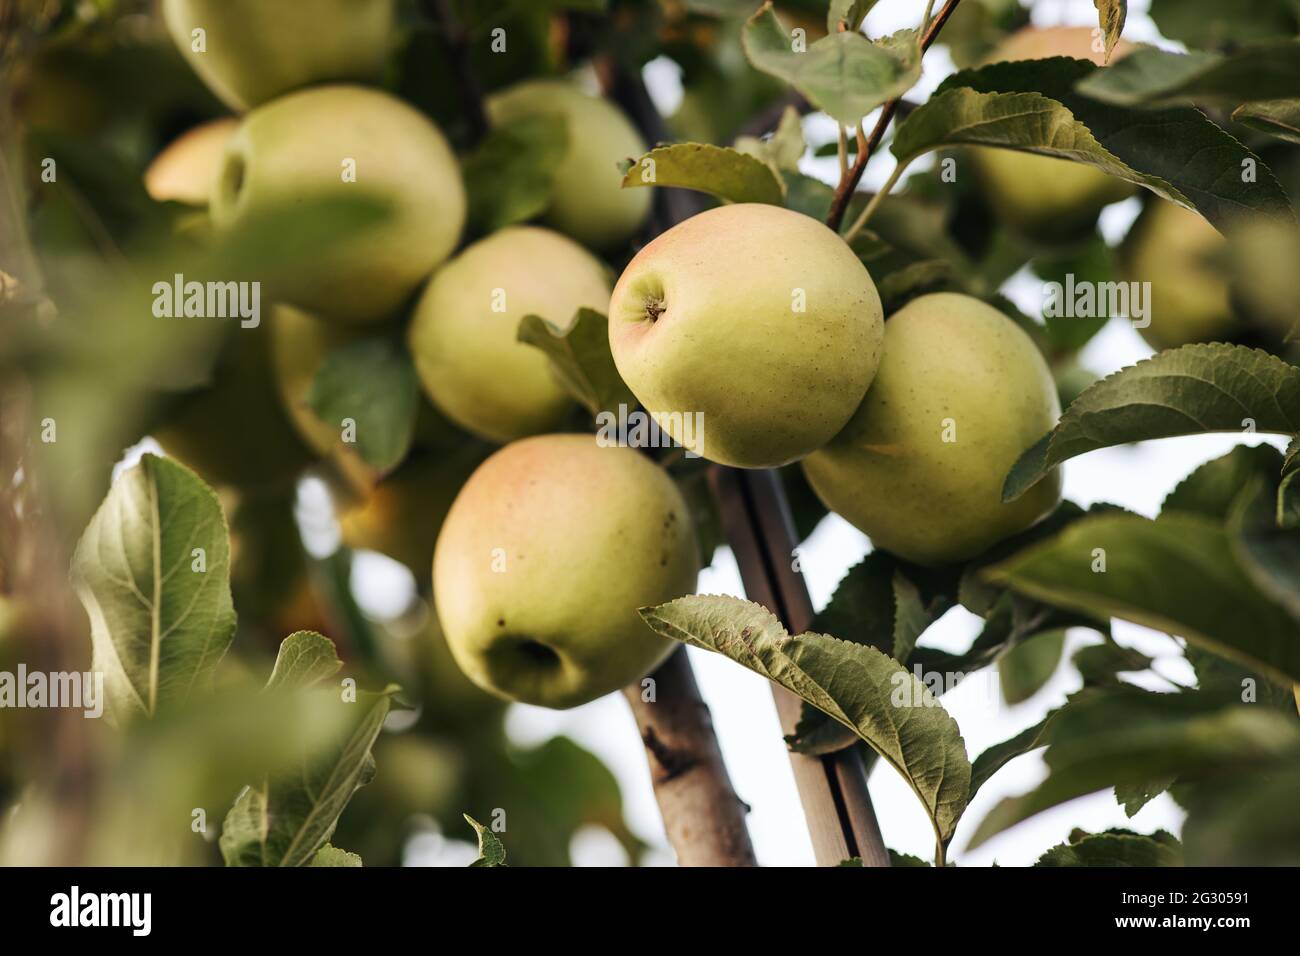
(501, 622)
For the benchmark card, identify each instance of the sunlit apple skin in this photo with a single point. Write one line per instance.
(706, 319)
(257, 50)
(186, 169)
(1041, 197)
(545, 557)
(464, 334)
(296, 146)
(1174, 248)
(589, 203)
(953, 366)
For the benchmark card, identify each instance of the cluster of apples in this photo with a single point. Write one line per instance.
(553, 542)
(760, 320)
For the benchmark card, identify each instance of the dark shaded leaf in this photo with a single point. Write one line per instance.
(1163, 735)
(1212, 488)
(372, 384)
(1187, 391)
(1176, 153)
(1115, 848)
(581, 359)
(1175, 574)
(510, 176)
(1151, 77)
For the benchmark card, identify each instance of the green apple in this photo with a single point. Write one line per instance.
(589, 202)
(1042, 197)
(233, 431)
(755, 323)
(1174, 249)
(403, 513)
(962, 391)
(255, 50)
(464, 332)
(545, 557)
(186, 169)
(334, 140)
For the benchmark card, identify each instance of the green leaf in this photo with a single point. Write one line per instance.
(1162, 735)
(153, 572)
(879, 603)
(581, 359)
(1269, 554)
(1089, 261)
(1280, 118)
(729, 174)
(855, 684)
(843, 74)
(850, 12)
(372, 384)
(1115, 848)
(490, 850)
(1032, 106)
(1288, 493)
(1151, 77)
(1134, 796)
(333, 856)
(1211, 489)
(784, 148)
(558, 787)
(1230, 682)
(1029, 665)
(510, 177)
(1175, 574)
(1110, 16)
(1186, 391)
(305, 658)
(883, 603)
(1101, 664)
(905, 859)
(285, 819)
(999, 755)
(1244, 821)
(901, 286)
(1212, 23)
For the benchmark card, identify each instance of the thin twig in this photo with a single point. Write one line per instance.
(848, 184)
(874, 203)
